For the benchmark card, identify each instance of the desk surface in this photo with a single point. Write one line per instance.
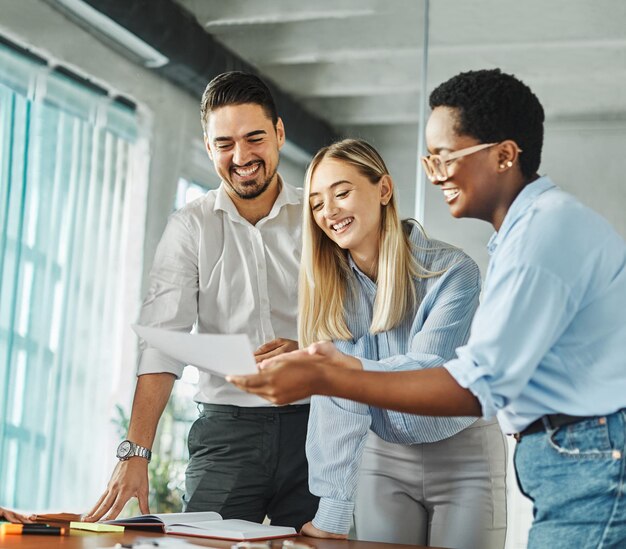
(91, 540)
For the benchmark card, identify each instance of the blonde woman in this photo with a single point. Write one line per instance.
(385, 293)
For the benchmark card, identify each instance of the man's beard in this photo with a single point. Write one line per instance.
(253, 190)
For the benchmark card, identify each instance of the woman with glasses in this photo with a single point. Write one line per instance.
(386, 293)
(546, 350)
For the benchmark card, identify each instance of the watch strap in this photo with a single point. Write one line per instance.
(142, 452)
(135, 450)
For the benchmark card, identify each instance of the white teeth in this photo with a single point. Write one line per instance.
(450, 194)
(245, 172)
(342, 224)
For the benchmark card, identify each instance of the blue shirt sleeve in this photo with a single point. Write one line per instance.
(525, 310)
(335, 439)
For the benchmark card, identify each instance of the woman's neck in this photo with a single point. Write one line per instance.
(367, 262)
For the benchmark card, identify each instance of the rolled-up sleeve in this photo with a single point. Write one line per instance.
(524, 311)
(335, 440)
(172, 298)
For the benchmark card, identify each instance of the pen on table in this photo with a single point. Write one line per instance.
(39, 529)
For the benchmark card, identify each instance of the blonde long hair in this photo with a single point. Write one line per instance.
(325, 272)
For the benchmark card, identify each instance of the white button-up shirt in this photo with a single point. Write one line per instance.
(214, 268)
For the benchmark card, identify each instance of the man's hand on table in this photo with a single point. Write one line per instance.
(129, 479)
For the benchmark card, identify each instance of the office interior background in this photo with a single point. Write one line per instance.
(100, 140)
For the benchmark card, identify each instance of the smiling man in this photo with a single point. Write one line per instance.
(227, 262)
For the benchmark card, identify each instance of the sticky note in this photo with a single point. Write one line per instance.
(96, 527)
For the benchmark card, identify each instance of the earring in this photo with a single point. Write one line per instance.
(508, 165)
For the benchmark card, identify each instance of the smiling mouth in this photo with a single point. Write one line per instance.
(246, 171)
(342, 225)
(450, 194)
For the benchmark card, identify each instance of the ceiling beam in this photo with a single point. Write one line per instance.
(211, 13)
(195, 57)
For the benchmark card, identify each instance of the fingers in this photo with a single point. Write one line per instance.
(274, 348)
(258, 384)
(321, 348)
(104, 504)
(311, 531)
(284, 359)
(268, 355)
(86, 517)
(12, 516)
(117, 507)
(307, 529)
(278, 351)
(143, 502)
(251, 383)
(269, 346)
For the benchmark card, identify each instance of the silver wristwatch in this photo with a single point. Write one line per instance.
(127, 449)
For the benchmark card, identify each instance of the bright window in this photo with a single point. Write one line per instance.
(68, 239)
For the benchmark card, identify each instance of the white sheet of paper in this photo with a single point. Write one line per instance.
(218, 354)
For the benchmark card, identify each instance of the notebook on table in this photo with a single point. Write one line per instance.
(206, 524)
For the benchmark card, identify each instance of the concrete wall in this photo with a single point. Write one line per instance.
(170, 116)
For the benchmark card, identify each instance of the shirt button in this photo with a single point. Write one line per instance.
(617, 454)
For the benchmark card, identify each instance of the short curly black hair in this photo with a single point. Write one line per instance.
(493, 106)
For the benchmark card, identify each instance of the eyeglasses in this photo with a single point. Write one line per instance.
(436, 166)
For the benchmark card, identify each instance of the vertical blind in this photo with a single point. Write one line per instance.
(66, 223)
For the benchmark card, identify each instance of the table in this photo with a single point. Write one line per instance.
(78, 539)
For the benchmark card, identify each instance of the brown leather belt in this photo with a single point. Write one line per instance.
(554, 421)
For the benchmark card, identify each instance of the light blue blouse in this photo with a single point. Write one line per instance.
(550, 334)
(338, 428)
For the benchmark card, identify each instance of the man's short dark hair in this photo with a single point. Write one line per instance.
(492, 107)
(236, 88)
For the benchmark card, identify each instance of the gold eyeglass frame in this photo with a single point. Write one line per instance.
(436, 165)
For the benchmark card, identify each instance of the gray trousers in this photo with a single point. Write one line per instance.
(248, 463)
(450, 493)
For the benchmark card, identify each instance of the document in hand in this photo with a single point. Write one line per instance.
(218, 354)
(206, 525)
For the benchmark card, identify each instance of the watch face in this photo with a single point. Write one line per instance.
(123, 449)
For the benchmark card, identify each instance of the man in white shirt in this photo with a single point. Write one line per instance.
(229, 262)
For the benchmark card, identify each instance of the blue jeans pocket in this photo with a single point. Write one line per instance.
(584, 439)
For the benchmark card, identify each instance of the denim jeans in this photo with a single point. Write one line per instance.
(576, 477)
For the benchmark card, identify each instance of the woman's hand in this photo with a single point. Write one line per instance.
(309, 530)
(293, 376)
(322, 350)
(12, 516)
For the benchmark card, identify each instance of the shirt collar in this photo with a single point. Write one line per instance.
(520, 205)
(287, 195)
(366, 280)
